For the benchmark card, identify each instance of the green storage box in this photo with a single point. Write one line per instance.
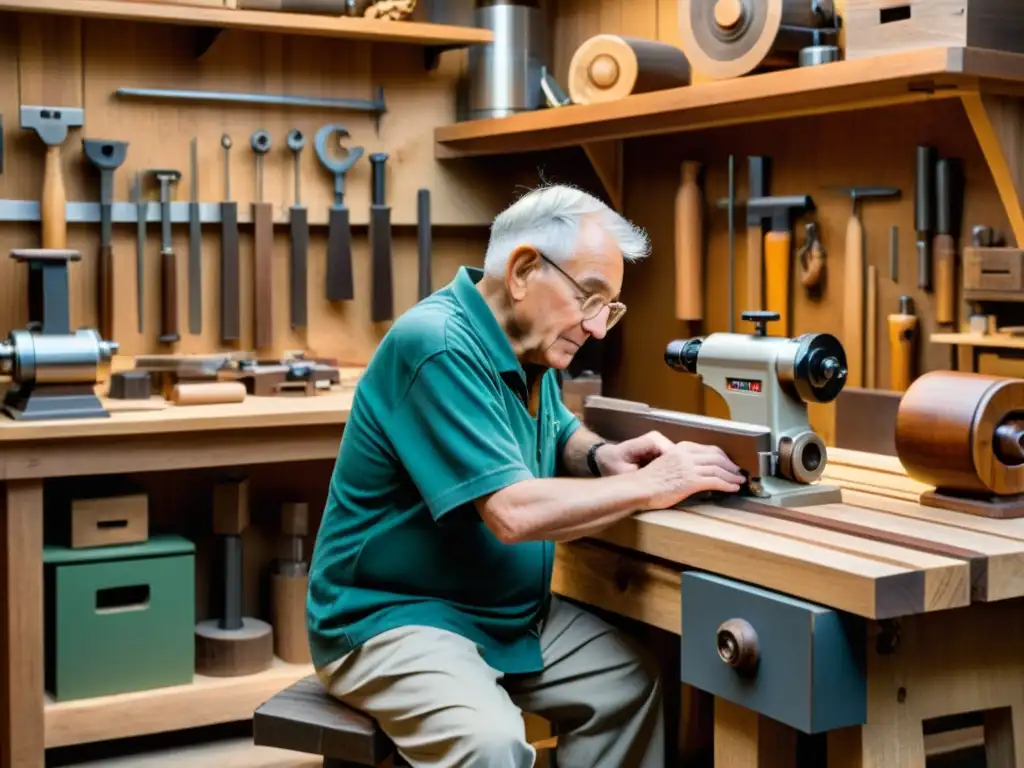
(119, 618)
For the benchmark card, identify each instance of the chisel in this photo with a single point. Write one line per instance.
(924, 214)
(141, 207)
(380, 239)
(340, 282)
(168, 262)
(195, 248)
(230, 310)
(107, 156)
(947, 173)
(424, 239)
(300, 237)
(263, 244)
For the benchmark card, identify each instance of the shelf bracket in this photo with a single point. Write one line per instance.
(998, 123)
(205, 38)
(606, 158)
(432, 55)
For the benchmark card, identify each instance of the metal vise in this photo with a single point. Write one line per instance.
(767, 382)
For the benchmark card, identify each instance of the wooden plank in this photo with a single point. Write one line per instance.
(847, 582)
(260, 21)
(619, 582)
(1007, 529)
(947, 579)
(842, 86)
(997, 565)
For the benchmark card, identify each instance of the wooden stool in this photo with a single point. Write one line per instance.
(305, 718)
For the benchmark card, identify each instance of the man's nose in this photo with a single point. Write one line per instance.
(597, 326)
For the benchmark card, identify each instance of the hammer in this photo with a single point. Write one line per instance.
(778, 247)
(52, 123)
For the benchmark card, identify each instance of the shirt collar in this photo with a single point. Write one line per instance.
(494, 338)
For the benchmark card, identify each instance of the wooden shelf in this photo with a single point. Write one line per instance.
(842, 86)
(440, 35)
(207, 701)
(991, 340)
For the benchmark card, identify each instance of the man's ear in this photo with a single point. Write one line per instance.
(522, 263)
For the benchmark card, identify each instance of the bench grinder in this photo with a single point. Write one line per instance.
(53, 371)
(767, 382)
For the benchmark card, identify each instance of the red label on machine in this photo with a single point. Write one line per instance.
(744, 385)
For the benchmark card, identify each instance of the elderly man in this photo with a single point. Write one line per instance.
(429, 605)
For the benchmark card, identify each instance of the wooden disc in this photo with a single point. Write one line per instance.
(233, 652)
(611, 67)
(728, 38)
(948, 436)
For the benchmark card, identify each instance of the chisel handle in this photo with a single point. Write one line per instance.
(340, 284)
(689, 248)
(755, 284)
(195, 269)
(853, 302)
(902, 333)
(945, 279)
(299, 260)
(382, 301)
(169, 298)
(424, 241)
(52, 207)
(105, 300)
(777, 247)
(230, 310)
(263, 246)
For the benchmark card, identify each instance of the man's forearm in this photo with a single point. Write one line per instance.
(574, 455)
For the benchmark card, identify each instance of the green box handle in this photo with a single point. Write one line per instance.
(132, 597)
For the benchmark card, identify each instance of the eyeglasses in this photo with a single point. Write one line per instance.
(591, 304)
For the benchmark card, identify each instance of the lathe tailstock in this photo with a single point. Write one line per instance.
(767, 382)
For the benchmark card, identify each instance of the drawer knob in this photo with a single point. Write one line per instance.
(737, 645)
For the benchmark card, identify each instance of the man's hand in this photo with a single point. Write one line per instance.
(631, 455)
(689, 468)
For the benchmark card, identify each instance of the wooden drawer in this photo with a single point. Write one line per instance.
(793, 661)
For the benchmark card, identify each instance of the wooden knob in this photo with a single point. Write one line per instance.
(737, 645)
(604, 71)
(728, 13)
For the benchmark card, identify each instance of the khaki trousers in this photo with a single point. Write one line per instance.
(442, 705)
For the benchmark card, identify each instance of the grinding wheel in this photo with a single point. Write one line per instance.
(963, 433)
(611, 67)
(731, 38)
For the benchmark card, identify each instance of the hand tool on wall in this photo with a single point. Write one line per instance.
(376, 106)
(51, 124)
(168, 262)
(759, 169)
(947, 194)
(423, 241)
(894, 253)
(340, 283)
(195, 246)
(812, 260)
(902, 344)
(382, 298)
(299, 221)
(141, 209)
(924, 213)
(263, 245)
(730, 202)
(107, 156)
(689, 245)
(230, 307)
(871, 328)
(853, 280)
(778, 250)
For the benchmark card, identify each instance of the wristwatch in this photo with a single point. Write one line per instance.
(592, 459)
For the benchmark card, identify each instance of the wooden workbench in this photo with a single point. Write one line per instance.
(948, 583)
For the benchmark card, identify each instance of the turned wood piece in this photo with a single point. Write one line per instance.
(290, 584)
(233, 644)
(207, 393)
(964, 434)
(611, 67)
(730, 38)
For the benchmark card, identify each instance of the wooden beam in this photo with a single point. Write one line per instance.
(606, 157)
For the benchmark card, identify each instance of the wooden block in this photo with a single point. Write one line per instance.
(877, 27)
(231, 507)
(111, 520)
(866, 420)
(295, 518)
(993, 274)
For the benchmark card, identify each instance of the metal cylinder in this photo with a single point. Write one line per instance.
(57, 359)
(232, 616)
(505, 76)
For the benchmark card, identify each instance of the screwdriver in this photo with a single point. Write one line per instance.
(230, 313)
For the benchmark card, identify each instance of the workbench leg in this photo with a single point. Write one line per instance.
(897, 743)
(745, 739)
(22, 735)
(1004, 737)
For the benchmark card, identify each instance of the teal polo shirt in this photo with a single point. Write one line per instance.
(439, 418)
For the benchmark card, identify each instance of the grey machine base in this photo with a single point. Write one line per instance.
(784, 493)
(53, 401)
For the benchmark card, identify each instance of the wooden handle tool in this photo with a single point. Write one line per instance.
(689, 245)
(853, 301)
(263, 244)
(902, 339)
(382, 297)
(871, 329)
(944, 244)
(230, 309)
(168, 261)
(51, 124)
(777, 270)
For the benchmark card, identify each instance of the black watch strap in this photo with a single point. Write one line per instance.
(592, 459)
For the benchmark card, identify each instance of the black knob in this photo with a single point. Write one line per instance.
(761, 318)
(681, 355)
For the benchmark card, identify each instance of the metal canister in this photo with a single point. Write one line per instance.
(505, 76)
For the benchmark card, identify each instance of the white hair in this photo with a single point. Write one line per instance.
(549, 219)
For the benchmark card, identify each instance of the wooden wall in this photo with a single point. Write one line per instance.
(53, 60)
